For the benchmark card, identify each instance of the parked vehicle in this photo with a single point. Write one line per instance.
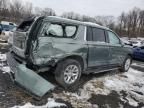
(126, 42)
(5, 29)
(69, 48)
(136, 43)
(138, 53)
(11, 33)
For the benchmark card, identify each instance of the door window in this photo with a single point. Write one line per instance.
(95, 34)
(98, 35)
(113, 39)
(89, 34)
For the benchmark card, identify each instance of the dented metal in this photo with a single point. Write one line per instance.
(32, 81)
(27, 78)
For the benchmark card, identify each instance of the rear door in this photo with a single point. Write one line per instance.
(98, 54)
(117, 53)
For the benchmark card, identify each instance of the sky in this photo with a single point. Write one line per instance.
(89, 7)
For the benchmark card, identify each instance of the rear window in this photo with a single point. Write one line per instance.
(25, 25)
(58, 30)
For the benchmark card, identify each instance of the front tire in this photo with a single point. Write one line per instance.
(68, 73)
(126, 65)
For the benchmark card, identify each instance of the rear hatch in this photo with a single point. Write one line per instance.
(20, 36)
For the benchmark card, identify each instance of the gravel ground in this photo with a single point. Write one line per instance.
(95, 91)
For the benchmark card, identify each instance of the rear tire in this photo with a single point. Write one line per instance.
(68, 73)
(126, 65)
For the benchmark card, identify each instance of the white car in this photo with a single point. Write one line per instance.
(136, 43)
(6, 30)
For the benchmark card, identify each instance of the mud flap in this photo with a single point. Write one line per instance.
(32, 81)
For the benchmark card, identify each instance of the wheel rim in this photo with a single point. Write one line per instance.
(127, 64)
(71, 74)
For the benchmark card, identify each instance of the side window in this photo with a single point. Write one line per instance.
(98, 35)
(70, 30)
(55, 30)
(58, 30)
(113, 39)
(89, 34)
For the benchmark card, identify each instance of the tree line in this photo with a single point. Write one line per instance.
(130, 24)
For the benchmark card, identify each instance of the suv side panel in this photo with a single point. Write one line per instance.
(56, 49)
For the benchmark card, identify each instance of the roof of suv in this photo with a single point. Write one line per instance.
(59, 19)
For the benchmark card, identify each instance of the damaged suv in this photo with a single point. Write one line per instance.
(69, 48)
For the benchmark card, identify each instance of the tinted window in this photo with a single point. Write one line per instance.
(142, 47)
(25, 25)
(113, 39)
(98, 35)
(89, 34)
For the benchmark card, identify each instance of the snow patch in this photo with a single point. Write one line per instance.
(132, 102)
(5, 69)
(51, 104)
(3, 57)
(138, 64)
(129, 82)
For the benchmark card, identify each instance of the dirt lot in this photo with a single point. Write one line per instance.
(106, 90)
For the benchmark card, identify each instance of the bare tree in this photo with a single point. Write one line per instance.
(107, 21)
(27, 11)
(44, 12)
(16, 10)
(72, 15)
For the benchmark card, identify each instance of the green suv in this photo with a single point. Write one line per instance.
(70, 48)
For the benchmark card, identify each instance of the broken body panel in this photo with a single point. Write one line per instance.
(27, 78)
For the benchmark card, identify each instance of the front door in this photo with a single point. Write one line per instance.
(116, 49)
(98, 54)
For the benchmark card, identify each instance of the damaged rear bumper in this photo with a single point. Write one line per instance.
(27, 78)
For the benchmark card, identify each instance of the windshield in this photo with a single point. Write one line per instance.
(7, 27)
(11, 27)
(25, 25)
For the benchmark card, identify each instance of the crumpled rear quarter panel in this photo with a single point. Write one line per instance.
(54, 48)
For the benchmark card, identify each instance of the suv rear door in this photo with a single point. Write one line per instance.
(98, 54)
